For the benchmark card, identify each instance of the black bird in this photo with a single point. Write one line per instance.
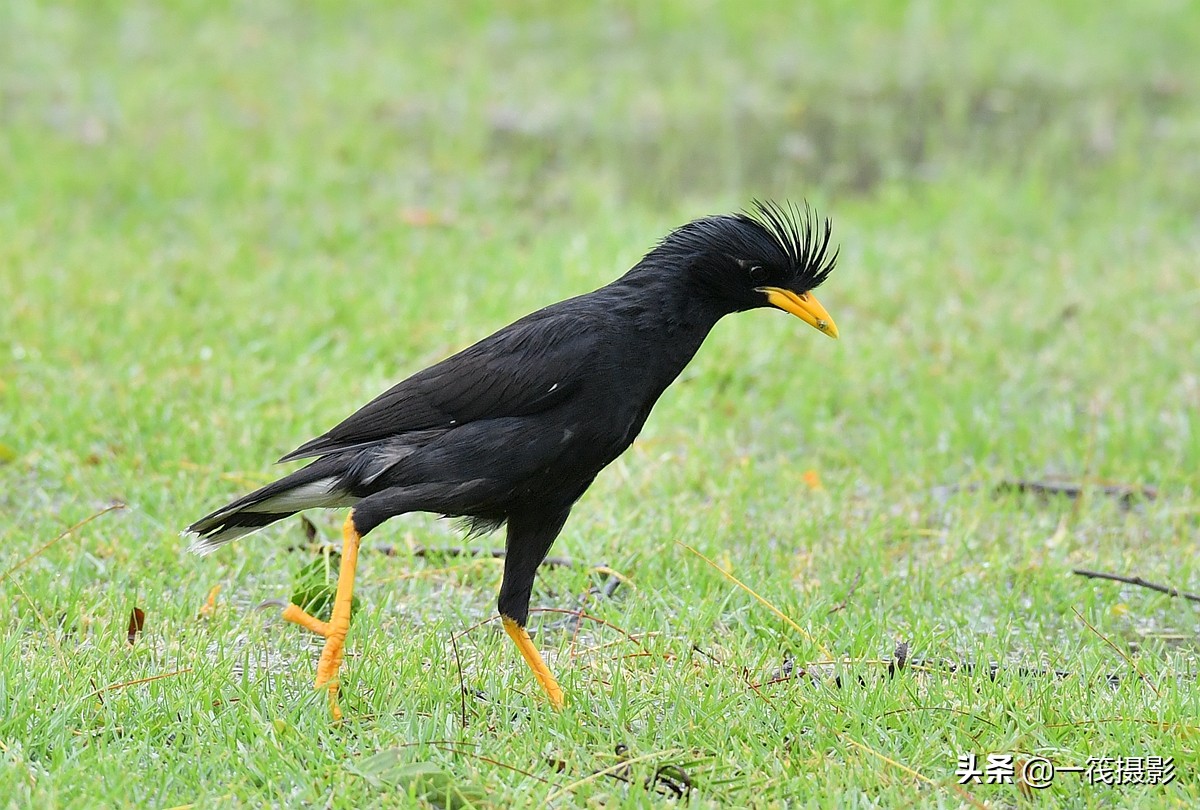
(514, 428)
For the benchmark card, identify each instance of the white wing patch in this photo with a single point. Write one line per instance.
(315, 494)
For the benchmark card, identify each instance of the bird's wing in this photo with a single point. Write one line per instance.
(525, 368)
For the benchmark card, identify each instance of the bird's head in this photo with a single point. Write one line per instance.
(769, 256)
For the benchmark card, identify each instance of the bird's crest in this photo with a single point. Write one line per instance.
(801, 235)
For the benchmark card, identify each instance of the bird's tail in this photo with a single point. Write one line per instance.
(321, 484)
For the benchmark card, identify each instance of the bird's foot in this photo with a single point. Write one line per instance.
(327, 670)
(297, 615)
(333, 631)
(533, 658)
(331, 655)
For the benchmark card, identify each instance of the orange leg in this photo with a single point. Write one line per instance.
(534, 659)
(338, 625)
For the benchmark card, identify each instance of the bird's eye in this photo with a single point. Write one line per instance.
(758, 274)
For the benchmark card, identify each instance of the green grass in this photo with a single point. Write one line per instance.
(224, 226)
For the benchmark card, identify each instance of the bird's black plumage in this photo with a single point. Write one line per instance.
(516, 427)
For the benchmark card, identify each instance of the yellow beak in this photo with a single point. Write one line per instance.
(804, 306)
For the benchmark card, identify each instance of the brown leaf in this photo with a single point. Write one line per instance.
(210, 603)
(137, 623)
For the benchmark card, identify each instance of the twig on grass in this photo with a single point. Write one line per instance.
(614, 580)
(581, 614)
(900, 662)
(846, 599)
(446, 746)
(623, 764)
(115, 686)
(1120, 652)
(950, 709)
(42, 548)
(1161, 725)
(791, 623)
(1136, 580)
(1126, 494)
(966, 795)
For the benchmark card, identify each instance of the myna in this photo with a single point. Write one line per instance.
(512, 430)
